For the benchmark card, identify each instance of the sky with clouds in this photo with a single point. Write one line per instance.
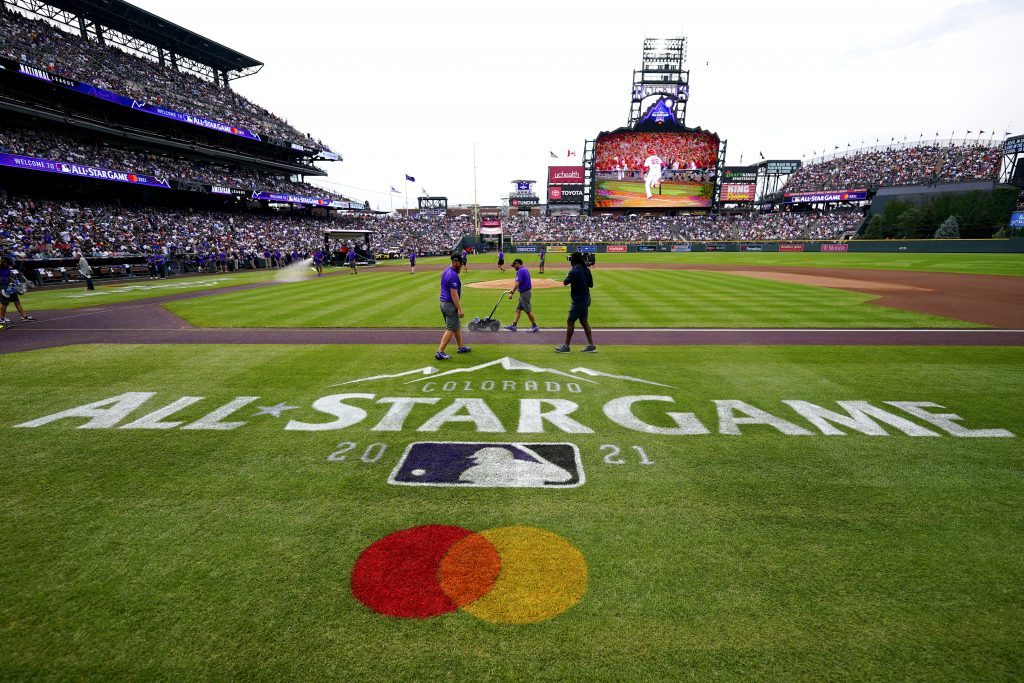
(411, 87)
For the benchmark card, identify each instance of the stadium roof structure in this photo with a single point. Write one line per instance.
(132, 21)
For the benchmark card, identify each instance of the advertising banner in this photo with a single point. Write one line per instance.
(738, 192)
(565, 175)
(290, 199)
(751, 247)
(822, 197)
(791, 247)
(646, 247)
(617, 249)
(739, 174)
(835, 247)
(588, 248)
(64, 168)
(681, 248)
(565, 194)
(490, 223)
(1017, 219)
(520, 202)
(557, 249)
(714, 247)
(526, 250)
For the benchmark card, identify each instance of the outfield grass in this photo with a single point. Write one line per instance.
(172, 554)
(140, 288)
(621, 298)
(972, 264)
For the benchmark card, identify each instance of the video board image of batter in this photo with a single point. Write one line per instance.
(655, 170)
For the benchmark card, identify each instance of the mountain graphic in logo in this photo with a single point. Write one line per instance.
(509, 364)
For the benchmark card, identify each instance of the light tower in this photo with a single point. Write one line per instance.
(662, 74)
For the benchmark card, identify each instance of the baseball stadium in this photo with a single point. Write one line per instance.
(785, 446)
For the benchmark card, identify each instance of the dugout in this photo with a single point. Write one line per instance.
(359, 238)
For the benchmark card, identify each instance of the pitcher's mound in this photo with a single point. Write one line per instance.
(543, 283)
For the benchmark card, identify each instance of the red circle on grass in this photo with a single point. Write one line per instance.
(398, 575)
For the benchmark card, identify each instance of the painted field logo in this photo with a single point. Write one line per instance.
(489, 465)
(508, 575)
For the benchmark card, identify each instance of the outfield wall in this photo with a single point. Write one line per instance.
(1013, 245)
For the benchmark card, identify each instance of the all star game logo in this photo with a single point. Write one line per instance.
(490, 465)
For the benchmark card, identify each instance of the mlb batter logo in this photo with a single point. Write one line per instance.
(489, 465)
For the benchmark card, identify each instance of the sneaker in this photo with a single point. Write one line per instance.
(27, 318)
(441, 355)
(590, 348)
(511, 328)
(464, 349)
(5, 321)
(534, 329)
(562, 349)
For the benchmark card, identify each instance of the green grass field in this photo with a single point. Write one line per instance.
(483, 265)
(170, 553)
(137, 289)
(621, 298)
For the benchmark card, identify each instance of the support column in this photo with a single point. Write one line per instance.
(99, 33)
(160, 53)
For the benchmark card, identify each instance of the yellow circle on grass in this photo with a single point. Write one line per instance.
(542, 575)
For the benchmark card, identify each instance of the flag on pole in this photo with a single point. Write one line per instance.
(425, 193)
(394, 191)
(410, 178)
(553, 155)
(761, 155)
(570, 153)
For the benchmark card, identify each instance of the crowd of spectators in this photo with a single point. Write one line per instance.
(36, 228)
(920, 165)
(401, 235)
(39, 229)
(637, 228)
(41, 44)
(60, 147)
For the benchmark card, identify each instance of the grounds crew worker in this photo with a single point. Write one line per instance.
(451, 308)
(580, 282)
(524, 285)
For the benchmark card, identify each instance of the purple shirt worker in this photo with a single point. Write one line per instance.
(451, 308)
(523, 285)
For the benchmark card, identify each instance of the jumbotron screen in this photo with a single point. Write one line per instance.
(669, 170)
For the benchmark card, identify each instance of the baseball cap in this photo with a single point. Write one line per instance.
(458, 257)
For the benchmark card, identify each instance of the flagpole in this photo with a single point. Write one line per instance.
(406, 195)
(476, 207)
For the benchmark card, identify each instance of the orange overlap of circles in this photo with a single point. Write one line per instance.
(507, 575)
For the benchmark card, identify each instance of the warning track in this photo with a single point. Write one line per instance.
(992, 300)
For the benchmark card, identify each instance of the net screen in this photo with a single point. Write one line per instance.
(655, 170)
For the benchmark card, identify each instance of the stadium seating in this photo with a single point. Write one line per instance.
(916, 165)
(60, 146)
(49, 48)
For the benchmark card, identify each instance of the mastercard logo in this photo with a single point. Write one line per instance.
(507, 575)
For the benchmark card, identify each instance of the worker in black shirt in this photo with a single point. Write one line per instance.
(580, 281)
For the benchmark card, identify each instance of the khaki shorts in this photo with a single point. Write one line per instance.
(451, 316)
(524, 301)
